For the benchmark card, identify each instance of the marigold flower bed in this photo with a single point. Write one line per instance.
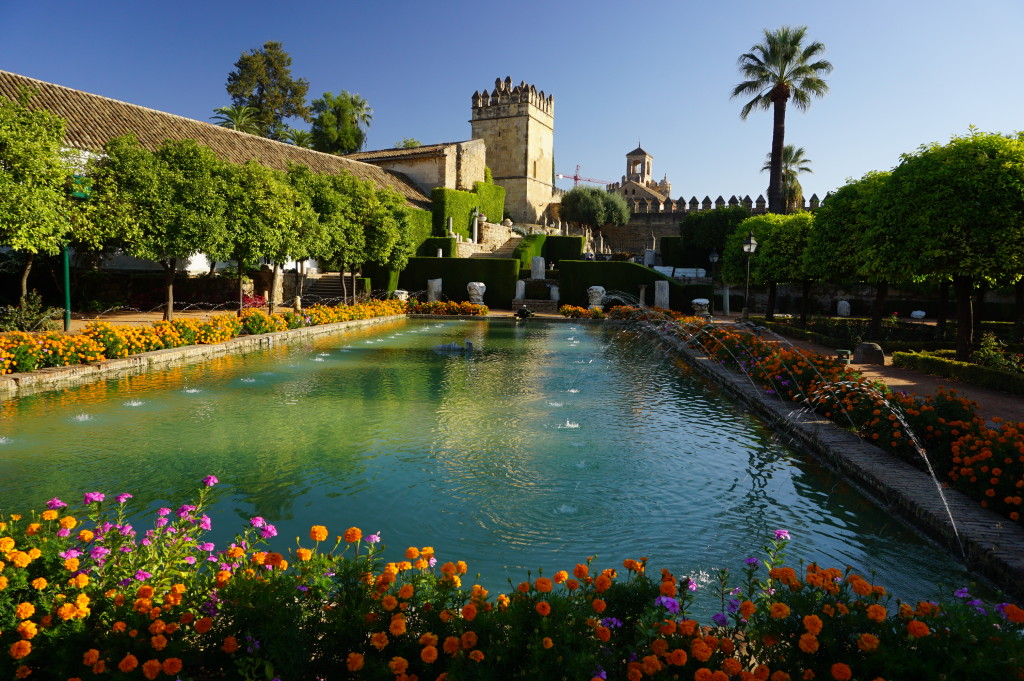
(84, 593)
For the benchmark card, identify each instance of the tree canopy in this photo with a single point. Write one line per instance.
(262, 79)
(34, 208)
(593, 207)
(708, 229)
(237, 117)
(781, 68)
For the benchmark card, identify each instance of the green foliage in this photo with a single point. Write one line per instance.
(559, 248)
(457, 205)
(576, 276)
(490, 200)
(673, 253)
(429, 247)
(705, 231)
(593, 207)
(839, 246)
(30, 315)
(983, 376)
(793, 163)
(262, 80)
(336, 123)
(237, 117)
(528, 248)
(408, 143)
(488, 176)
(498, 274)
(781, 68)
(781, 241)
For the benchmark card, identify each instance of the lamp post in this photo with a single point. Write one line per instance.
(749, 246)
(713, 259)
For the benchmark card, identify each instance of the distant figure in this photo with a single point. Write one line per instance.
(524, 313)
(454, 347)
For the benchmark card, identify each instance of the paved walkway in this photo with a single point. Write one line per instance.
(991, 403)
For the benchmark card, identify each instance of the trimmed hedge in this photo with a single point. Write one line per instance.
(984, 377)
(559, 248)
(498, 274)
(420, 224)
(490, 200)
(672, 251)
(528, 248)
(428, 249)
(576, 276)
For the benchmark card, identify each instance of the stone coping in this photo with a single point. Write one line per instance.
(57, 378)
(988, 543)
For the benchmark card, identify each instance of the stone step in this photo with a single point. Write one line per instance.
(536, 305)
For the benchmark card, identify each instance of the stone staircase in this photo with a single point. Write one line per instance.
(323, 287)
(505, 250)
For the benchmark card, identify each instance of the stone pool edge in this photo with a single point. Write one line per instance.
(993, 546)
(57, 378)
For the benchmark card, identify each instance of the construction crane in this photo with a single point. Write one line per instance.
(576, 179)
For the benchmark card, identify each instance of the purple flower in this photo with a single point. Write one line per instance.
(126, 548)
(432, 561)
(257, 522)
(98, 552)
(611, 622)
(127, 531)
(371, 538)
(691, 585)
(962, 593)
(751, 561)
(160, 522)
(667, 602)
(126, 581)
(93, 497)
(70, 553)
(268, 531)
(303, 588)
(205, 546)
(734, 605)
(720, 619)
(121, 498)
(782, 535)
(210, 480)
(976, 604)
(142, 575)
(205, 523)
(191, 560)
(55, 503)
(600, 673)
(63, 532)
(163, 511)
(185, 510)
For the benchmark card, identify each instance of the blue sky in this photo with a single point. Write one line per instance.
(658, 73)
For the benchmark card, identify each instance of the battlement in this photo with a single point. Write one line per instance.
(681, 206)
(504, 93)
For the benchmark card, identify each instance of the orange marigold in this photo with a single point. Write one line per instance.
(731, 666)
(469, 612)
(477, 656)
(353, 534)
(172, 666)
(398, 665)
(808, 643)
(406, 591)
(543, 585)
(20, 649)
(412, 553)
(24, 610)
(469, 639)
(867, 642)
(543, 608)
(354, 662)
(547, 643)
(318, 533)
(813, 624)
(451, 645)
(877, 613)
(841, 672)
(203, 625)
(1014, 613)
(678, 657)
(428, 654)
(230, 644)
(602, 584)
(917, 629)
(747, 609)
(561, 576)
(599, 605)
(379, 640)
(303, 554)
(90, 657)
(779, 611)
(581, 571)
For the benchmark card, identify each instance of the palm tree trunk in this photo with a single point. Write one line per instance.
(24, 277)
(344, 285)
(776, 203)
(805, 303)
(877, 310)
(769, 314)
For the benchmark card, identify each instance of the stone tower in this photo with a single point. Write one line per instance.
(517, 125)
(638, 167)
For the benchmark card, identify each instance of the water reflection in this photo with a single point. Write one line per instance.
(548, 444)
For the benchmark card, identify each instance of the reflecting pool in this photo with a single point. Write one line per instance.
(547, 444)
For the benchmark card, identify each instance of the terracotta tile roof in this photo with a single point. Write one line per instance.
(389, 154)
(638, 152)
(92, 120)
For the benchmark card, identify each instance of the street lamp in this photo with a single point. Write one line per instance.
(749, 246)
(713, 258)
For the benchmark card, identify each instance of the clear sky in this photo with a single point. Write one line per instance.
(907, 72)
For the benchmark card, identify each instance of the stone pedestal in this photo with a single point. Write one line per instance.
(661, 294)
(433, 290)
(554, 293)
(649, 257)
(401, 294)
(537, 270)
(843, 308)
(520, 289)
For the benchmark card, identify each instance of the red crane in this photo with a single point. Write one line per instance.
(576, 179)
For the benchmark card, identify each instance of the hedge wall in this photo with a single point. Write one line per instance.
(491, 200)
(498, 274)
(576, 276)
(420, 224)
(559, 248)
(672, 251)
(428, 249)
(380, 278)
(996, 379)
(528, 248)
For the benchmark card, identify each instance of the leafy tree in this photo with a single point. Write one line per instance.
(262, 80)
(334, 230)
(260, 210)
(300, 138)
(781, 242)
(781, 68)
(408, 143)
(955, 210)
(708, 229)
(34, 208)
(594, 207)
(238, 117)
(337, 123)
(793, 163)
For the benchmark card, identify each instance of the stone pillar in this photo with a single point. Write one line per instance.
(649, 257)
(555, 295)
(451, 231)
(643, 295)
(433, 290)
(661, 294)
(537, 270)
(440, 252)
(520, 289)
(725, 299)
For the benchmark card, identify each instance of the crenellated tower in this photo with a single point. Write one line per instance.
(517, 124)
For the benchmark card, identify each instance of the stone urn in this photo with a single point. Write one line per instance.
(596, 294)
(476, 289)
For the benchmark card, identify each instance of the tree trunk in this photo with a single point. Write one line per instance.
(805, 303)
(169, 267)
(241, 289)
(776, 203)
(344, 284)
(979, 307)
(769, 313)
(877, 310)
(963, 286)
(943, 313)
(300, 278)
(24, 277)
(274, 280)
(1018, 310)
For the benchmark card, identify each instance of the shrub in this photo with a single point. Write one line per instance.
(30, 315)
(447, 307)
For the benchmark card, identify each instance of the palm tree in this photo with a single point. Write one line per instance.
(793, 163)
(362, 114)
(237, 117)
(778, 69)
(300, 138)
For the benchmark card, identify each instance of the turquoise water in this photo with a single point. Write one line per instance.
(548, 444)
